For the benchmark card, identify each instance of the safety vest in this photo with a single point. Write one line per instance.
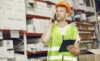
(56, 41)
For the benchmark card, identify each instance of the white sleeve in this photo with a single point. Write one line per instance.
(78, 38)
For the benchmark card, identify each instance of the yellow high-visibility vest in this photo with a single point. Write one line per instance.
(56, 41)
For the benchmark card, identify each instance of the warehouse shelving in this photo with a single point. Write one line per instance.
(7, 36)
(30, 16)
(32, 53)
(39, 34)
(8, 31)
(41, 52)
(25, 34)
(36, 16)
(86, 23)
(33, 34)
(77, 10)
(87, 36)
(48, 2)
(83, 50)
(10, 21)
(86, 41)
(37, 55)
(82, 11)
(51, 3)
(86, 30)
(41, 17)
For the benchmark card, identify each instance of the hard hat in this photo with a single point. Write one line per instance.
(66, 5)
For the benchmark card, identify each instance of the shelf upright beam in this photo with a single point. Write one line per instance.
(25, 45)
(95, 9)
(25, 36)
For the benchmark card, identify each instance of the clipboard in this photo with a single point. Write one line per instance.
(66, 43)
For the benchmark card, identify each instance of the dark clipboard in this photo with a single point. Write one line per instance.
(66, 43)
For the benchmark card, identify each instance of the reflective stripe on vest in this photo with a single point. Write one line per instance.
(55, 43)
(60, 58)
(54, 48)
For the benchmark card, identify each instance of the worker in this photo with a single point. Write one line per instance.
(55, 34)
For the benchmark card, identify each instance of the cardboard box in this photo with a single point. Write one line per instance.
(20, 57)
(92, 9)
(91, 57)
(1, 21)
(4, 45)
(7, 44)
(39, 46)
(79, 5)
(46, 24)
(69, 18)
(36, 24)
(31, 47)
(30, 28)
(70, 2)
(81, 1)
(1, 10)
(92, 18)
(3, 59)
(8, 8)
(42, 23)
(10, 54)
(41, 4)
(31, 1)
(83, 16)
(4, 52)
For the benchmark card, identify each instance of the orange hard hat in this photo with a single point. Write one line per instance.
(66, 5)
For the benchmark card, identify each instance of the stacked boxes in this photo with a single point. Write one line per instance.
(70, 2)
(6, 47)
(40, 9)
(34, 45)
(37, 25)
(92, 18)
(79, 5)
(20, 57)
(83, 16)
(12, 15)
(54, 1)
